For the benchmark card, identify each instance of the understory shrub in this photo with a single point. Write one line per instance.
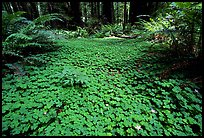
(80, 32)
(180, 27)
(108, 30)
(26, 37)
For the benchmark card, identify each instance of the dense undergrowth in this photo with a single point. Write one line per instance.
(101, 87)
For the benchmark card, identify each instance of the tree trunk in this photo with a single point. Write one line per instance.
(112, 12)
(125, 16)
(34, 10)
(19, 6)
(85, 12)
(76, 14)
(98, 10)
(24, 6)
(132, 12)
(15, 6)
(107, 12)
(8, 7)
(138, 10)
(39, 8)
(92, 11)
(11, 7)
(95, 9)
(117, 12)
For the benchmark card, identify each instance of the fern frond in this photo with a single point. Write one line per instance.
(17, 36)
(9, 22)
(28, 28)
(30, 45)
(6, 15)
(11, 53)
(48, 17)
(32, 60)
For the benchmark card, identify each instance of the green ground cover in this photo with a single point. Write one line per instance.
(102, 87)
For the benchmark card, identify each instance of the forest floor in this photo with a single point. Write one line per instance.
(102, 87)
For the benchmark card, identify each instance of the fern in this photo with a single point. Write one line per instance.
(18, 36)
(34, 60)
(45, 18)
(10, 22)
(31, 26)
(4, 52)
(31, 37)
(30, 45)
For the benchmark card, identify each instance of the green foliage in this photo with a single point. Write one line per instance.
(72, 77)
(92, 24)
(11, 23)
(180, 23)
(107, 30)
(124, 95)
(80, 32)
(45, 18)
(30, 38)
(117, 30)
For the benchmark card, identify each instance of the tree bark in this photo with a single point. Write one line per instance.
(34, 10)
(85, 11)
(125, 16)
(25, 8)
(117, 12)
(141, 8)
(112, 12)
(76, 14)
(39, 8)
(98, 9)
(132, 12)
(107, 12)
(11, 7)
(92, 11)
(15, 6)
(8, 7)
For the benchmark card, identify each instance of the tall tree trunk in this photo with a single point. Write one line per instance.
(98, 9)
(19, 6)
(125, 16)
(34, 10)
(155, 7)
(25, 8)
(95, 9)
(107, 12)
(76, 14)
(85, 11)
(15, 6)
(199, 43)
(67, 12)
(4, 7)
(92, 11)
(39, 8)
(138, 8)
(11, 7)
(112, 12)
(8, 7)
(132, 12)
(117, 12)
